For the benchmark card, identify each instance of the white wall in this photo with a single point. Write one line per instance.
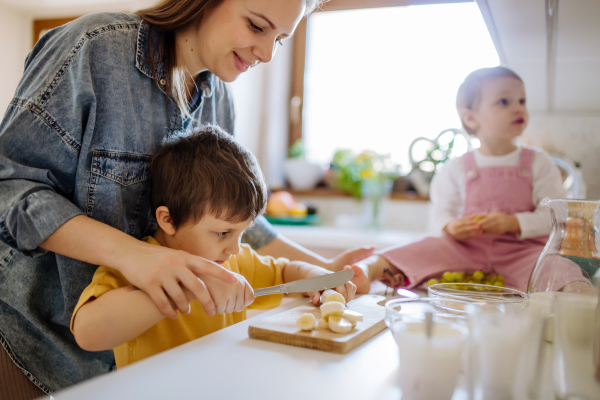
(574, 135)
(261, 98)
(16, 33)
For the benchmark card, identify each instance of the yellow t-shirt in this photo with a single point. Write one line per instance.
(260, 271)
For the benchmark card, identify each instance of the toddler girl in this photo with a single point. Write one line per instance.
(485, 202)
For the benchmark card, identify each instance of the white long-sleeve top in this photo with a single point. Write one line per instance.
(448, 190)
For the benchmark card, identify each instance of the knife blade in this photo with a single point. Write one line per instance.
(317, 283)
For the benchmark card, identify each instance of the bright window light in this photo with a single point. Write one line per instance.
(376, 79)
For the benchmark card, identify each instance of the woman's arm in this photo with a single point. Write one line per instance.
(283, 247)
(157, 270)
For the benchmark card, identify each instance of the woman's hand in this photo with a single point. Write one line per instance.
(464, 228)
(296, 270)
(159, 271)
(499, 223)
(162, 273)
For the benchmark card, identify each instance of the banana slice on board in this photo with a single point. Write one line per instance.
(306, 322)
(352, 316)
(339, 324)
(332, 308)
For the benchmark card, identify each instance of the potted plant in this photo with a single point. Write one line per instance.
(301, 173)
(367, 176)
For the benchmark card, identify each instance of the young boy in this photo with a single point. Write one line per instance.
(206, 190)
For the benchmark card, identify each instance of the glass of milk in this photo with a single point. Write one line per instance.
(431, 335)
(574, 334)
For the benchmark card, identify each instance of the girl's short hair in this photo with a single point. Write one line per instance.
(469, 92)
(204, 172)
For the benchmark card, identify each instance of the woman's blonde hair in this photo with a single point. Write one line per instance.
(168, 16)
(469, 92)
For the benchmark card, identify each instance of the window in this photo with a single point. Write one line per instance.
(377, 78)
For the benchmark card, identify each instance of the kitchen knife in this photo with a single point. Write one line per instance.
(317, 283)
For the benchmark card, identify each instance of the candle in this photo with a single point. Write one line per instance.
(429, 366)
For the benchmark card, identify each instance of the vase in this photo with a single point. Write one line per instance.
(373, 192)
(302, 174)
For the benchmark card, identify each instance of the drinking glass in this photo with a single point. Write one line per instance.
(431, 335)
(574, 335)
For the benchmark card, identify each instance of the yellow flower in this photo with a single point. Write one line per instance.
(363, 157)
(367, 173)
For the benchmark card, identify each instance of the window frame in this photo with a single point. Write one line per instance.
(41, 26)
(299, 51)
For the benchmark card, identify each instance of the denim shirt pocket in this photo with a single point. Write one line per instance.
(119, 191)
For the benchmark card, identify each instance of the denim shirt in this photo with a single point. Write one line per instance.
(76, 140)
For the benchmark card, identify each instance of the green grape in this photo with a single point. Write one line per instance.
(458, 276)
(432, 282)
(478, 276)
(447, 277)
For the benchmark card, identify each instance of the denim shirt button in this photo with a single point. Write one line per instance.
(207, 92)
(163, 82)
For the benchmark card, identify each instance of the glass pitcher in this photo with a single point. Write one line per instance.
(561, 288)
(570, 261)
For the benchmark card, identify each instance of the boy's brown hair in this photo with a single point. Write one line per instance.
(469, 92)
(207, 171)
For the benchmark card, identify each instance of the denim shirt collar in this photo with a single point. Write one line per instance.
(204, 81)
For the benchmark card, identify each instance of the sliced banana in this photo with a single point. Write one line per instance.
(332, 295)
(332, 308)
(339, 324)
(323, 323)
(326, 294)
(352, 316)
(306, 322)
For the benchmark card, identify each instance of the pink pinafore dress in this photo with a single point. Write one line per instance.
(489, 189)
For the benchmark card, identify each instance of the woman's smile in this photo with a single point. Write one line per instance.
(242, 64)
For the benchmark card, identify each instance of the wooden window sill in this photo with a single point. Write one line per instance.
(327, 192)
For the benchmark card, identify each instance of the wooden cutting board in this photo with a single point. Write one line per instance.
(281, 328)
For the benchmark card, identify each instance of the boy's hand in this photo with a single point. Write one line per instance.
(296, 270)
(464, 228)
(230, 297)
(499, 223)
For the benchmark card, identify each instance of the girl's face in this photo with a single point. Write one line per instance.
(238, 34)
(501, 114)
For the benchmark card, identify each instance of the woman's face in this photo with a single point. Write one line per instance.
(238, 34)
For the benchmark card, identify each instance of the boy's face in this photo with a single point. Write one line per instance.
(501, 113)
(211, 238)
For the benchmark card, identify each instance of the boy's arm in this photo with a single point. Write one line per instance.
(116, 317)
(284, 247)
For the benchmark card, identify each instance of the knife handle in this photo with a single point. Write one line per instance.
(269, 290)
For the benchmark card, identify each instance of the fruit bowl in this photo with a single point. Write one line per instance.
(476, 293)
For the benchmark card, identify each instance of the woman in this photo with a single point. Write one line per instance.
(97, 96)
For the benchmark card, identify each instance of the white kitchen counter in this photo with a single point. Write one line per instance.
(229, 365)
(329, 241)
